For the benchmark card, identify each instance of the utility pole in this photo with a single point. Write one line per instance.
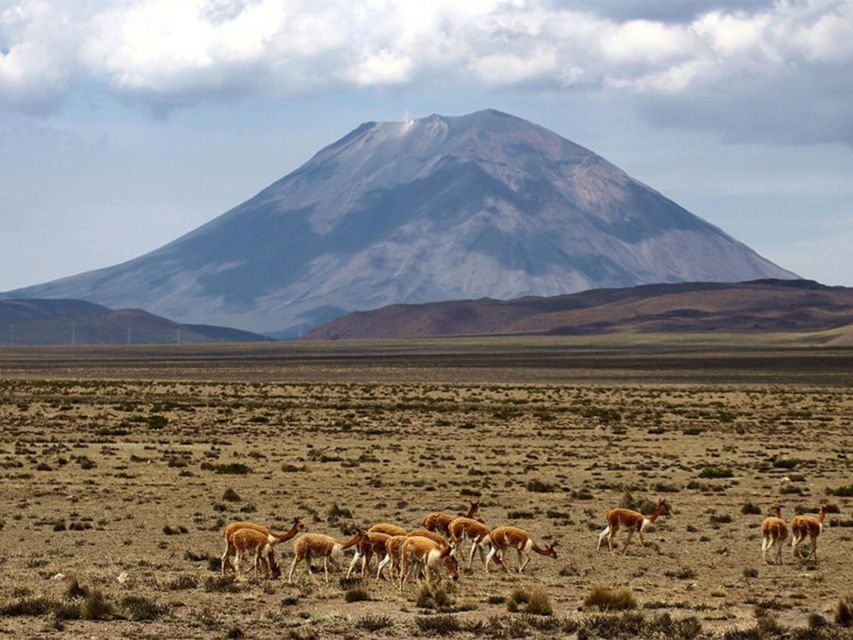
(73, 333)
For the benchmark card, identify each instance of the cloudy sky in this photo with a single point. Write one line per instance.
(125, 123)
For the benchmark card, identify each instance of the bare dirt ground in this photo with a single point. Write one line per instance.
(114, 467)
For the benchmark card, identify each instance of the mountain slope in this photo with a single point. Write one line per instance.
(762, 305)
(433, 209)
(40, 321)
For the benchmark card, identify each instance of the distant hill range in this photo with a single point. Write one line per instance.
(756, 306)
(43, 322)
(439, 208)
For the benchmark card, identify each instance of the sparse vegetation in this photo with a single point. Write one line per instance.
(716, 472)
(344, 456)
(608, 599)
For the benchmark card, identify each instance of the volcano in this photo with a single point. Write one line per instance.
(439, 208)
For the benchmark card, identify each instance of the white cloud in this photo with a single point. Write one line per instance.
(177, 53)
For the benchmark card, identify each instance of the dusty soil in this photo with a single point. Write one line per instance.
(106, 478)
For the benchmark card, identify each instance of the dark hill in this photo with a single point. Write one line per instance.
(763, 305)
(39, 321)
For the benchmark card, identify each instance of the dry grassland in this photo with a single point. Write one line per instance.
(123, 487)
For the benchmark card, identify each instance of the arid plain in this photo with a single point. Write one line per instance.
(121, 466)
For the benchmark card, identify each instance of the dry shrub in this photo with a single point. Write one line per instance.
(96, 607)
(611, 599)
(535, 601)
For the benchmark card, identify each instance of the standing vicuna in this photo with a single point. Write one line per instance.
(422, 553)
(504, 538)
(317, 545)
(473, 530)
(773, 532)
(273, 537)
(440, 522)
(802, 526)
(633, 521)
(244, 540)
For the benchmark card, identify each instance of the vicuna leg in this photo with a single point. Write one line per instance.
(521, 565)
(628, 541)
(601, 537)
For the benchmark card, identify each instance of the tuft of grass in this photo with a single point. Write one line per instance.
(233, 468)
(536, 601)
(140, 608)
(683, 573)
(750, 509)
(73, 588)
(845, 492)
(716, 472)
(221, 583)
(844, 612)
(636, 625)
(357, 595)
(337, 512)
(437, 599)
(231, 496)
(608, 599)
(39, 606)
(750, 572)
(539, 486)
(438, 625)
(182, 582)
(96, 607)
(374, 623)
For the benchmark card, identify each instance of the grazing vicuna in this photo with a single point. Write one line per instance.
(418, 553)
(504, 538)
(773, 532)
(473, 530)
(394, 547)
(440, 522)
(802, 526)
(373, 542)
(273, 537)
(633, 521)
(388, 529)
(317, 545)
(432, 535)
(249, 540)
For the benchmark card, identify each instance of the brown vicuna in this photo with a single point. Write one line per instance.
(317, 545)
(504, 538)
(373, 542)
(773, 533)
(473, 530)
(249, 540)
(388, 529)
(441, 521)
(432, 535)
(802, 526)
(273, 537)
(633, 521)
(418, 553)
(394, 547)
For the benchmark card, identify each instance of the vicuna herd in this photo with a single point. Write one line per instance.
(436, 549)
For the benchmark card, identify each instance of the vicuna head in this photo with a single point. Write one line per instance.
(552, 550)
(451, 566)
